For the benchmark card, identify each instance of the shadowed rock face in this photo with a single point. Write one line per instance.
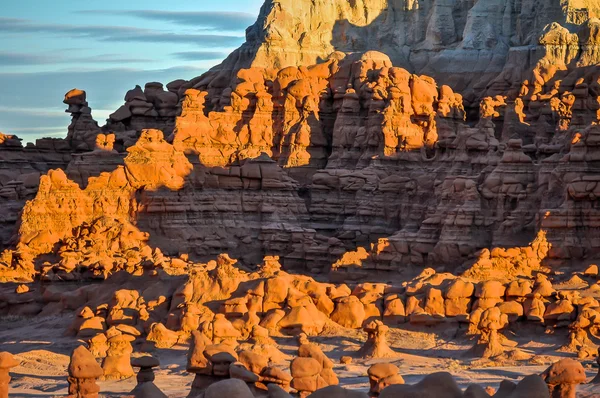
(353, 161)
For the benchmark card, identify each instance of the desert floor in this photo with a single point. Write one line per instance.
(44, 351)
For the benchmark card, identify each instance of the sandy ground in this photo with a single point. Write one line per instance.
(44, 351)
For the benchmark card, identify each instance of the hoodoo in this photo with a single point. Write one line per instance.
(413, 185)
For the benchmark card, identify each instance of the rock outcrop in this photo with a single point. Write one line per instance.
(7, 361)
(83, 372)
(503, 42)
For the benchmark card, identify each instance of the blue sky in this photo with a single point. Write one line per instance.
(106, 48)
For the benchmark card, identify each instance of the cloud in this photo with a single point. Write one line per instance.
(14, 59)
(117, 33)
(32, 123)
(199, 55)
(19, 112)
(106, 59)
(213, 20)
(31, 101)
(7, 58)
(105, 87)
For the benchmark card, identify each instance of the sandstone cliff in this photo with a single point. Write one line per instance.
(464, 44)
(351, 154)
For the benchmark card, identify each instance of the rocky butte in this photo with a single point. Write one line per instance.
(427, 163)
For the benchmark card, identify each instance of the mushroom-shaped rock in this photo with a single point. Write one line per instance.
(543, 287)
(518, 289)
(460, 288)
(303, 367)
(304, 318)
(310, 350)
(7, 361)
(535, 308)
(145, 378)
(75, 97)
(394, 311)
(435, 385)
(491, 342)
(117, 364)
(490, 289)
(221, 360)
(563, 377)
(306, 375)
(83, 372)
(376, 345)
(382, 375)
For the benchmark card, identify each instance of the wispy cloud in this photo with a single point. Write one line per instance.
(213, 20)
(199, 55)
(117, 33)
(14, 59)
(32, 112)
(7, 58)
(46, 89)
(32, 100)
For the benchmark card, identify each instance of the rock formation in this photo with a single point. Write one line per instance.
(426, 162)
(83, 372)
(145, 378)
(563, 377)
(83, 129)
(321, 149)
(376, 345)
(117, 364)
(342, 128)
(504, 41)
(383, 375)
(7, 361)
(306, 377)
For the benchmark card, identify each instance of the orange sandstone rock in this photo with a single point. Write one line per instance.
(83, 372)
(563, 377)
(7, 361)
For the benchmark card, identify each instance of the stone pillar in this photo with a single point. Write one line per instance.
(145, 378)
(83, 372)
(7, 361)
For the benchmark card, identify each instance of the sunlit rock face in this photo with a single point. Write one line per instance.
(313, 146)
(467, 45)
(340, 113)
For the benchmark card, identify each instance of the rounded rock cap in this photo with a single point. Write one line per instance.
(7, 360)
(145, 362)
(565, 371)
(83, 365)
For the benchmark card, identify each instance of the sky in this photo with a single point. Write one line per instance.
(105, 48)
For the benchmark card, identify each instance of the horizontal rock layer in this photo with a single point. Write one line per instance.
(351, 154)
